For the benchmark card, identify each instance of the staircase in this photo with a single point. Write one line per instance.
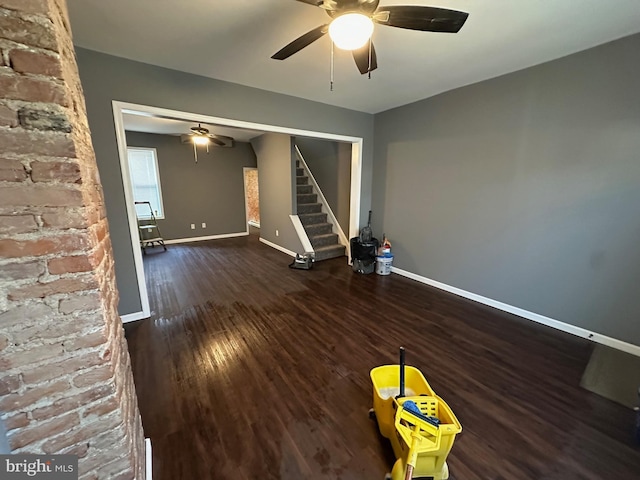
(319, 230)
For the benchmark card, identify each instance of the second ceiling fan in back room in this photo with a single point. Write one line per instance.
(353, 22)
(200, 136)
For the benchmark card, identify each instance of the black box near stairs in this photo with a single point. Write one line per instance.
(363, 255)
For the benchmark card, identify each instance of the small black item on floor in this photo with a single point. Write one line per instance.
(302, 262)
(363, 255)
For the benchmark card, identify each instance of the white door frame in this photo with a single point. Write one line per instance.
(119, 108)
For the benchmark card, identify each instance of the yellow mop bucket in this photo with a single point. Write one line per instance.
(419, 424)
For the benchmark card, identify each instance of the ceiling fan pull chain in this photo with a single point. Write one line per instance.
(331, 69)
(370, 44)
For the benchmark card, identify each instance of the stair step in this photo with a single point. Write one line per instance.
(324, 240)
(312, 218)
(331, 251)
(318, 229)
(309, 208)
(320, 232)
(307, 198)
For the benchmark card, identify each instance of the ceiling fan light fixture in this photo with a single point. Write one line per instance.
(351, 31)
(200, 140)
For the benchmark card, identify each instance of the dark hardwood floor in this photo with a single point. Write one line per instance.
(251, 370)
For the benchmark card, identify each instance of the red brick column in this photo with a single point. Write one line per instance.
(65, 377)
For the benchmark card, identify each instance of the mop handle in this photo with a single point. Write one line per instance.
(412, 456)
(401, 372)
(409, 473)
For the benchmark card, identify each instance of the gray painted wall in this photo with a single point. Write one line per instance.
(4, 442)
(330, 164)
(276, 184)
(210, 191)
(106, 78)
(524, 188)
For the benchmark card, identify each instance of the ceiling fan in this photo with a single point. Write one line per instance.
(355, 18)
(200, 136)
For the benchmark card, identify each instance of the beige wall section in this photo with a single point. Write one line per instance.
(276, 182)
(252, 193)
(65, 377)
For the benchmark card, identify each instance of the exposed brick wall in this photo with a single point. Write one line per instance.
(65, 377)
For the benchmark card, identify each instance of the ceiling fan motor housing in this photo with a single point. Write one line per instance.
(365, 7)
(200, 130)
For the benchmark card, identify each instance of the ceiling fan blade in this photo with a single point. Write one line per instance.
(316, 3)
(217, 141)
(426, 19)
(361, 56)
(333, 5)
(301, 42)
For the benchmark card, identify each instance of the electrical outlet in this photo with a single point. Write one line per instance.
(277, 233)
(204, 225)
(193, 226)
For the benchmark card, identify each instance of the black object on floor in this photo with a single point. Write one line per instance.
(363, 255)
(302, 262)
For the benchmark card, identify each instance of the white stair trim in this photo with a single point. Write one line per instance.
(336, 228)
(302, 234)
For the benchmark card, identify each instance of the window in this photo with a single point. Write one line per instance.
(145, 180)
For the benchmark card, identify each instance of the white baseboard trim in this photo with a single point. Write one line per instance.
(132, 317)
(253, 224)
(148, 458)
(278, 247)
(535, 317)
(209, 237)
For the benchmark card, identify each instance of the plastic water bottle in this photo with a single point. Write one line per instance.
(386, 247)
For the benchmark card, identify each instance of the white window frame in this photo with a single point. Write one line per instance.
(160, 214)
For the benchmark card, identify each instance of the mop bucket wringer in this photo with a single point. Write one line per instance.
(419, 424)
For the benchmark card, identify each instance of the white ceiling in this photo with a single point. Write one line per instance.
(233, 40)
(170, 126)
